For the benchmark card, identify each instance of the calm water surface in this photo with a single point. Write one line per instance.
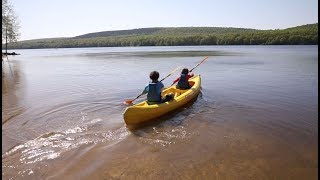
(256, 116)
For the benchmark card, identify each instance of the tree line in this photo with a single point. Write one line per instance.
(184, 36)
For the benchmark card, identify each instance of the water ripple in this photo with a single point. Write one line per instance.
(51, 145)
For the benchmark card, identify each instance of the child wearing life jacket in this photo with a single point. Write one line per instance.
(154, 89)
(183, 82)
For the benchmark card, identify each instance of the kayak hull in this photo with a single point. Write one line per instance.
(143, 112)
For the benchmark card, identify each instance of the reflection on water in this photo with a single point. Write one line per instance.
(11, 76)
(12, 80)
(256, 116)
(159, 54)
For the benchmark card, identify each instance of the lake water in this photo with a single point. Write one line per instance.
(256, 116)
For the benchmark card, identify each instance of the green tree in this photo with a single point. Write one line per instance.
(10, 25)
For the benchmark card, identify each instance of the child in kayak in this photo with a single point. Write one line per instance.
(154, 89)
(183, 82)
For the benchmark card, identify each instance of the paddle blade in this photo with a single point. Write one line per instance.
(128, 102)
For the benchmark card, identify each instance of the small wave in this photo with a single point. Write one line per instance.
(163, 136)
(75, 130)
(51, 145)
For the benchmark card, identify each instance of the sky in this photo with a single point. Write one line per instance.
(68, 18)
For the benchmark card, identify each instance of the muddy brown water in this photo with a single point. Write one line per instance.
(256, 116)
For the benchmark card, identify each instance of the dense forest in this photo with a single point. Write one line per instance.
(181, 36)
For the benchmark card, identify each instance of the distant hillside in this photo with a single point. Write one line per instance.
(181, 36)
(165, 31)
(143, 31)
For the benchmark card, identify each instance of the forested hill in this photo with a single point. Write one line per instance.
(167, 31)
(181, 36)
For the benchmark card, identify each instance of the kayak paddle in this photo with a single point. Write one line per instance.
(196, 66)
(128, 102)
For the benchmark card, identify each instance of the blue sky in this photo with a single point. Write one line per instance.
(67, 18)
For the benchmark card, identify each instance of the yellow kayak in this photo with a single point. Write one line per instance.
(143, 112)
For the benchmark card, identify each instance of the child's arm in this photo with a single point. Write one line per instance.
(161, 86)
(146, 90)
(176, 80)
(189, 76)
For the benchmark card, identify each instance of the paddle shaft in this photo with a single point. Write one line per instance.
(137, 96)
(170, 73)
(196, 66)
